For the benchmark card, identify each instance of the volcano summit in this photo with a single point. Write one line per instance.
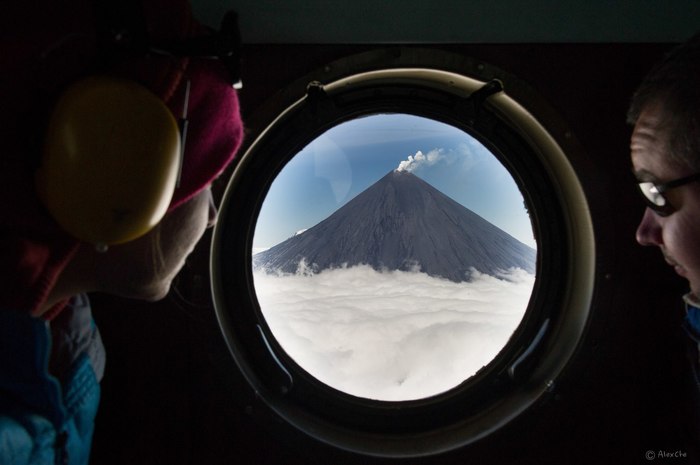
(402, 223)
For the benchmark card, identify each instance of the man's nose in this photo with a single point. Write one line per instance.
(649, 229)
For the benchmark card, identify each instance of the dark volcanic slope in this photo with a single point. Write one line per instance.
(396, 223)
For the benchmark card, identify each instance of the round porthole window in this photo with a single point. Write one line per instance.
(393, 257)
(404, 260)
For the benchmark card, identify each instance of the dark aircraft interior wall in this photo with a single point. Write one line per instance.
(172, 394)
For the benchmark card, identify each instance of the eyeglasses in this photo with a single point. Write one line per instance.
(654, 193)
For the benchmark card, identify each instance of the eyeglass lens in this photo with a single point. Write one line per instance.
(652, 194)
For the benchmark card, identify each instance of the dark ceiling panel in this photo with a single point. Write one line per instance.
(456, 21)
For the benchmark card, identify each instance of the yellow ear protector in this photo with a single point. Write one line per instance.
(111, 160)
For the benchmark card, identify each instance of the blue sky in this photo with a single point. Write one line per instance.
(350, 157)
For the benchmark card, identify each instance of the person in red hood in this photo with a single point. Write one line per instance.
(52, 250)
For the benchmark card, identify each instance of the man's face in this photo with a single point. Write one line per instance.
(678, 234)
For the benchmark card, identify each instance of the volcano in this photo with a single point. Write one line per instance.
(402, 223)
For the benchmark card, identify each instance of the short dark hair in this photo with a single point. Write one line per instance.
(674, 83)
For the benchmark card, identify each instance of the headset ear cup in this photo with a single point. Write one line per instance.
(110, 162)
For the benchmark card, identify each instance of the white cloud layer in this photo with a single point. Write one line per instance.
(392, 335)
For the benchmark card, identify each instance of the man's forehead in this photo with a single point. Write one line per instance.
(652, 121)
(651, 130)
(650, 146)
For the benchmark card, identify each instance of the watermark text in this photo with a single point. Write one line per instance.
(665, 454)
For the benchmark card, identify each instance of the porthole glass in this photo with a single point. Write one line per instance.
(393, 257)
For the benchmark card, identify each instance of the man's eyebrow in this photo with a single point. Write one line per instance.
(643, 175)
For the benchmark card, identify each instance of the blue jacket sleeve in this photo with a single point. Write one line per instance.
(44, 420)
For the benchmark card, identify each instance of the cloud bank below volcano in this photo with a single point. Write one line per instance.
(392, 335)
